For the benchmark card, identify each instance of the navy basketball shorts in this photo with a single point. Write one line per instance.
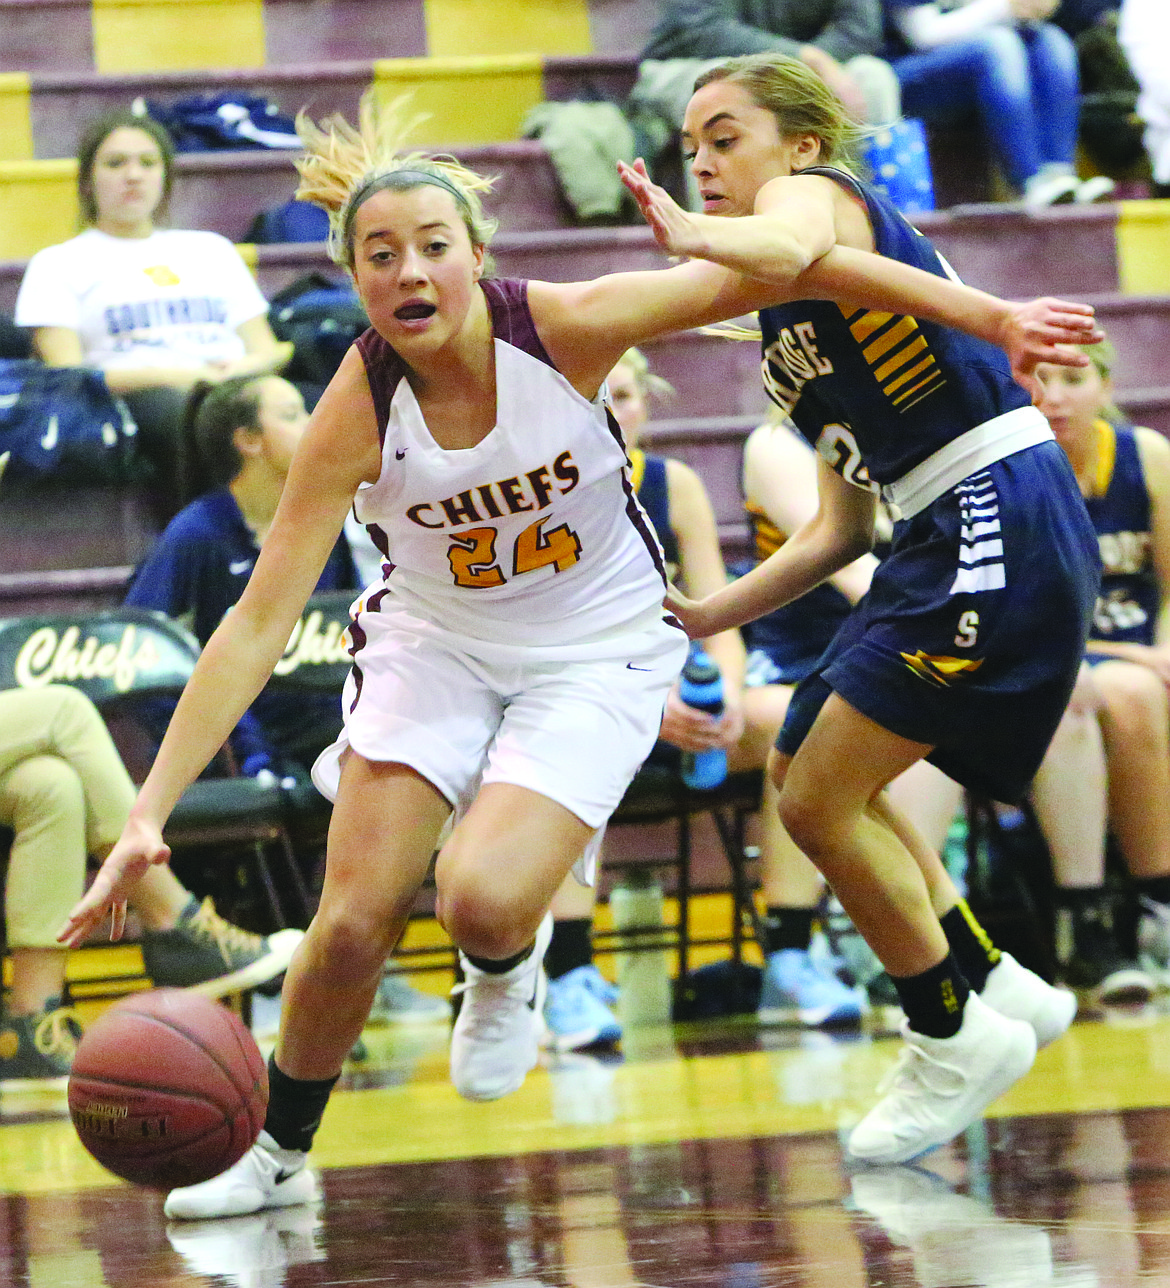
(974, 626)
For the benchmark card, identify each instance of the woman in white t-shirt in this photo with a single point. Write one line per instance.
(154, 309)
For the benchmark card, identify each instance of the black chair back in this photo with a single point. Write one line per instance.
(107, 655)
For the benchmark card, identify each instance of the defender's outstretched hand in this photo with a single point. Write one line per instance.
(675, 229)
(139, 846)
(1046, 330)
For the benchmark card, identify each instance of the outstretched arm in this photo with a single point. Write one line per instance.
(1029, 332)
(840, 532)
(790, 241)
(338, 451)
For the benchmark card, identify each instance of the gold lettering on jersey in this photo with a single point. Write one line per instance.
(534, 490)
(1124, 552)
(309, 645)
(46, 658)
(790, 362)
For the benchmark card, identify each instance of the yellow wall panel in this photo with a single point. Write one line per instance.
(15, 117)
(1143, 247)
(483, 27)
(467, 100)
(160, 35)
(38, 205)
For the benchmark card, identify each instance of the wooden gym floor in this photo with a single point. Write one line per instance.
(705, 1156)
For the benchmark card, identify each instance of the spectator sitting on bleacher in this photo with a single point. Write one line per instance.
(245, 430)
(1109, 762)
(1001, 60)
(836, 38)
(155, 309)
(66, 795)
(1144, 32)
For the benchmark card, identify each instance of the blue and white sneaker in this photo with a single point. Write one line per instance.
(574, 1015)
(795, 991)
(601, 988)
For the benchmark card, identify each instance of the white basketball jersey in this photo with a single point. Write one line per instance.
(532, 537)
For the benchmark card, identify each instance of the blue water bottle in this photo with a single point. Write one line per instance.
(701, 686)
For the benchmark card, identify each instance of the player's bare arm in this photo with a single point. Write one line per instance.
(339, 451)
(840, 532)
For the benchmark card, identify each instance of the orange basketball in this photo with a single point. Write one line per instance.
(168, 1089)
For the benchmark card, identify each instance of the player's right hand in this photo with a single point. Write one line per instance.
(139, 846)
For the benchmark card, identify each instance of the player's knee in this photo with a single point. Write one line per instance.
(809, 823)
(347, 942)
(484, 922)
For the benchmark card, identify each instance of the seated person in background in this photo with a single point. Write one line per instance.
(1109, 763)
(66, 795)
(1002, 60)
(156, 310)
(1144, 33)
(245, 431)
(836, 38)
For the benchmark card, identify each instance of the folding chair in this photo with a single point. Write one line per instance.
(657, 795)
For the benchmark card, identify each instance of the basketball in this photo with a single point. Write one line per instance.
(167, 1089)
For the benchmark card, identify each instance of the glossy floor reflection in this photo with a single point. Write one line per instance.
(705, 1158)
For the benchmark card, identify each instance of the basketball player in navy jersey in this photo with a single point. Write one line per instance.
(512, 664)
(967, 646)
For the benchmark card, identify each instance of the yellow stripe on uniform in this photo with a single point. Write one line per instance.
(884, 343)
(867, 324)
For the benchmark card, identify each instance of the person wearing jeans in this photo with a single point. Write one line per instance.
(1000, 59)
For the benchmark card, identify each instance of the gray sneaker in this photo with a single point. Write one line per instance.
(398, 1002)
(210, 956)
(38, 1047)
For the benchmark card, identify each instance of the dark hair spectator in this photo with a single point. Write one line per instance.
(156, 310)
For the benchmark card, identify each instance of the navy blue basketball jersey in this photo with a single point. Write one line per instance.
(1119, 506)
(648, 476)
(795, 635)
(877, 393)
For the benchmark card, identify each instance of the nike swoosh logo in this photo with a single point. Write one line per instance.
(399, 453)
(631, 667)
(238, 566)
(285, 1174)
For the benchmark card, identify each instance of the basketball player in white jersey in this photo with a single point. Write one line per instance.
(511, 666)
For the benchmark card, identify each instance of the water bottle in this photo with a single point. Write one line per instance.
(701, 686)
(643, 969)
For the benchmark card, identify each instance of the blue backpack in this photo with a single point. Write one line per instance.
(293, 221)
(210, 122)
(63, 422)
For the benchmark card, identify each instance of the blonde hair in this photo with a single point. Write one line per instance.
(344, 165)
(1103, 356)
(797, 97)
(649, 385)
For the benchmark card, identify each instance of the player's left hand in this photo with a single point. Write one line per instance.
(1047, 330)
(675, 229)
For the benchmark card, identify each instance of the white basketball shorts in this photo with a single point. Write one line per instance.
(461, 712)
